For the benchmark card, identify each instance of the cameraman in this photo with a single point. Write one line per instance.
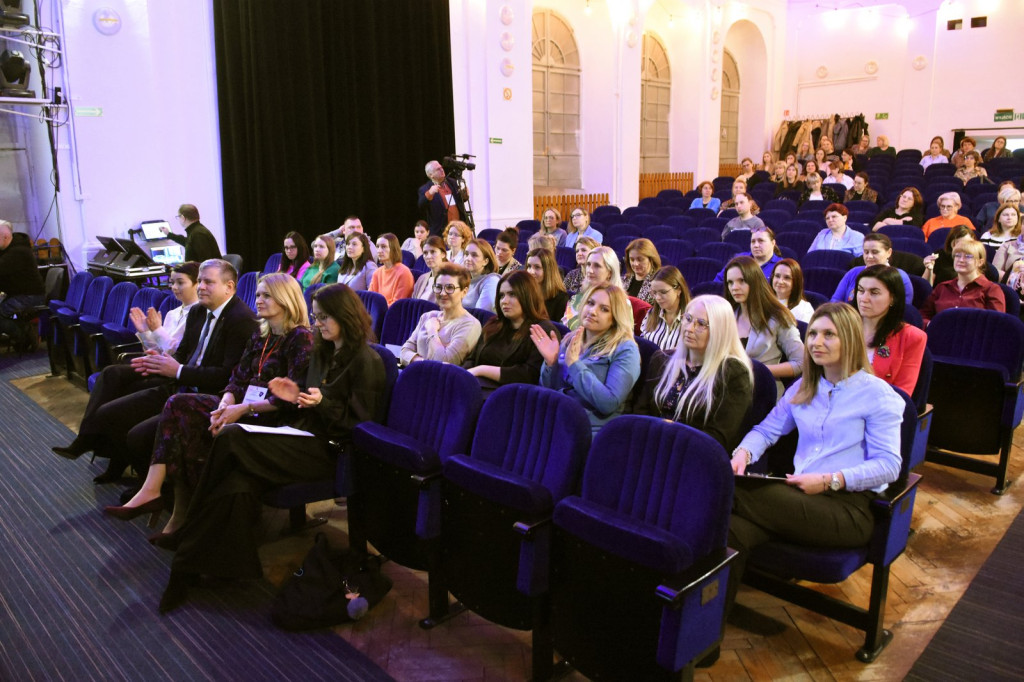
(440, 200)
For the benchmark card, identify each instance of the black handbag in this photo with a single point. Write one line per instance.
(331, 587)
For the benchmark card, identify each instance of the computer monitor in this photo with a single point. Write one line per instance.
(170, 254)
(132, 249)
(110, 245)
(154, 229)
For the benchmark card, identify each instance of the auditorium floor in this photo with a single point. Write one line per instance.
(957, 522)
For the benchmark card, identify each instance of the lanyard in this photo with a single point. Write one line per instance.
(264, 356)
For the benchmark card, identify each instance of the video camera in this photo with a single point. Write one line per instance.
(455, 164)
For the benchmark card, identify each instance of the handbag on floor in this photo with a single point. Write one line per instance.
(331, 587)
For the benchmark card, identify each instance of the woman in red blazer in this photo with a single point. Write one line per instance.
(895, 347)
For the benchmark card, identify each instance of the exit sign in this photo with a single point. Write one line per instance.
(1004, 115)
(882, 116)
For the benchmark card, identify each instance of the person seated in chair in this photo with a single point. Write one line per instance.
(482, 265)
(745, 218)
(838, 470)
(323, 269)
(909, 210)
(877, 251)
(706, 381)
(815, 191)
(642, 261)
(121, 418)
(356, 266)
(164, 335)
(504, 251)
(21, 286)
(345, 385)
(949, 206)
(861, 190)
(895, 348)
(837, 236)
(970, 289)
(602, 268)
(542, 266)
(434, 256)
(663, 322)
(599, 363)
(392, 279)
(448, 334)
(505, 354)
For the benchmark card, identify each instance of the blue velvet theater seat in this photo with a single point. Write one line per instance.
(639, 557)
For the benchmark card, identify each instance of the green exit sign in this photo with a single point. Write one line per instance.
(1003, 116)
(882, 116)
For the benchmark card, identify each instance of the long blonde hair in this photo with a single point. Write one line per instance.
(287, 293)
(852, 349)
(723, 345)
(622, 320)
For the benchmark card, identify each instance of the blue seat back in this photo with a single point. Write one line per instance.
(680, 222)
(528, 225)
(119, 302)
(401, 319)
(96, 296)
(809, 227)
(775, 218)
(76, 290)
(658, 232)
(168, 304)
(977, 335)
(308, 295)
(536, 433)
(247, 289)
(697, 270)
(565, 257)
(699, 215)
(437, 404)
(149, 297)
(482, 316)
(674, 250)
(799, 242)
(1012, 300)
(377, 306)
(390, 372)
(273, 263)
(765, 396)
(722, 252)
(827, 258)
(663, 474)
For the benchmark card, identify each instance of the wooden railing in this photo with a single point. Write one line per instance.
(564, 203)
(652, 183)
(730, 169)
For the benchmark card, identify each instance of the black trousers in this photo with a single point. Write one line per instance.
(221, 532)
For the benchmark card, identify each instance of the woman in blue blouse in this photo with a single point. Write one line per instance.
(578, 227)
(599, 363)
(848, 423)
(838, 236)
(705, 200)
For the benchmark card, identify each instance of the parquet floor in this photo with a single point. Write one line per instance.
(957, 522)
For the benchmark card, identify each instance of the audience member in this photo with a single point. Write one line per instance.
(483, 286)
(805, 153)
(747, 170)
(599, 363)
(767, 162)
(642, 261)
(602, 268)
(504, 251)
(434, 255)
(811, 168)
(323, 269)
(738, 187)
(579, 227)
(861, 190)
(448, 334)
(456, 236)
(505, 354)
(393, 279)
(164, 335)
(545, 241)
(779, 172)
(1007, 194)
(190, 421)
(837, 236)
(877, 251)
(949, 203)
(745, 218)
(574, 278)
(356, 267)
(541, 265)
(882, 148)
(345, 385)
(788, 283)
(21, 286)
(895, 348)
(1005, 226)
(705, 200)
(815, 191)
(549, 224)
(294, 255)
(970, 289)
(670, 296)
(791, 182)
(200, 244)
(766, 327)
(706, 381)
(909, 210)
(939, 266)
(340, 236)
(971, 168)
(935, 154)
(836, 176)
(967, 145)
(414, 244)
(998, 150)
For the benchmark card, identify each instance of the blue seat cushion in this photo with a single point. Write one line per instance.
(622, 535)
(503, 487)
(794, 562)
(396, 448)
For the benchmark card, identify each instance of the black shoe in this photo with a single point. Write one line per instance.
(176, 592)
(79, 446)
(114, 472)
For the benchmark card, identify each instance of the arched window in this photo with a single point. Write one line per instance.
(655, 93)
(556, 103)
(728, 149)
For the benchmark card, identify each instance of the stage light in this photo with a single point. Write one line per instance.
(14, 73)
(10, 16)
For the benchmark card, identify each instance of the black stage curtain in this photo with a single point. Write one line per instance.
(328, 108)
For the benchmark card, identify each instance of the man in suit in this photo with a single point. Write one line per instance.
(440, 200)
(120, 420)
(200, 244)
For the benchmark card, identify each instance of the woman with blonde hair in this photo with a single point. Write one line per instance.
(882, 148)
(482, 265)
(393, 279)
(323, 269)
(574, 278)
(642, 261)
(766, 326)
(707, 380)
(970, 289)
(549, 221)
(670, 295)
(541, 265)
(579, 227)
(599, 362)
(767, 162)
(189, 421)
(602, 268)
(456, 235)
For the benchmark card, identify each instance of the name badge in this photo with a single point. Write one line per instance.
(254, 394)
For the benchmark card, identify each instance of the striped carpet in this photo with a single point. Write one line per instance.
(78, 591)
(983, 637)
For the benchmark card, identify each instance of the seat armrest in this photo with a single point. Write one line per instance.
(528, 530)
(887, 501)
(425, 479)
(674, 589)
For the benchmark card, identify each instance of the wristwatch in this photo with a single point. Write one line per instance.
(836, 484)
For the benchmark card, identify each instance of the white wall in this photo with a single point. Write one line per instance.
(156, 144)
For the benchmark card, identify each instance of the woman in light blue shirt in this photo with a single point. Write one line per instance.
(848, 422)
(579, 226)
(482, 265)
(599, 363)
(838, 236)
(705, 200)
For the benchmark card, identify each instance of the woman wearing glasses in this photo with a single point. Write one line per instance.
(707, 381)
(294, 255)
(448, 334)
(970, 289)
(579, 226)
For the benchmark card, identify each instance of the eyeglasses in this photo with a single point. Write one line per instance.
(291, 248)
(963, 256)
(700, 324)
(321, 317)
(446, 288)
(577, 215)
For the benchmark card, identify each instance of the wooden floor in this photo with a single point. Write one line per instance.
(957, 522)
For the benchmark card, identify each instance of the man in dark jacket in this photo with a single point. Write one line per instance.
(200, 244)
(21, 285)
(440, 201)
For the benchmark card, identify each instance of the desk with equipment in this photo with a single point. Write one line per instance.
(125, 260)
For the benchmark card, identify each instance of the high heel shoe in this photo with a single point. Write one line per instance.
(78, 447)
(114, 472)
(165, 540)
(154, 507)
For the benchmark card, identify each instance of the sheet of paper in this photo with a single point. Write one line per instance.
(277, 430)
